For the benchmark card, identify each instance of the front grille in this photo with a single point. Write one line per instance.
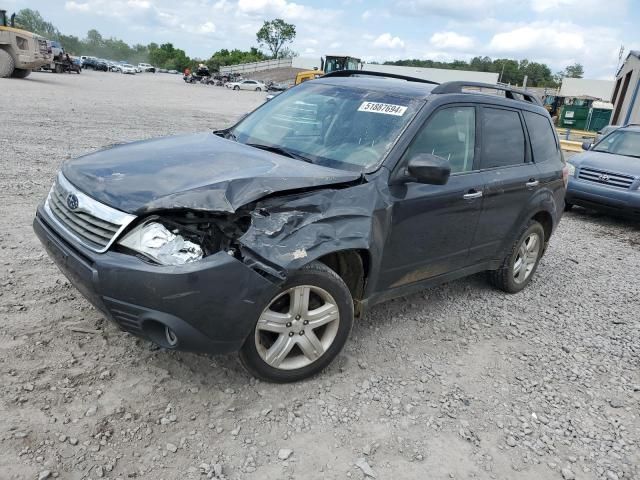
(94, 224)
(605, 178)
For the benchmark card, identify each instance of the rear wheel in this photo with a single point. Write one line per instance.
(59, 68)
(303, 327)
(522, 260)
(7, 65)
(258, 89)
(21, 73)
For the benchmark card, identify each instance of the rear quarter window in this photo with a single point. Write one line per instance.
(543, 141)
(503, 142)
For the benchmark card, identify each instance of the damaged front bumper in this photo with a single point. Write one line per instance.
(210, 306)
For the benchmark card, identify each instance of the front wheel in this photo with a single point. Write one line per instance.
(521, 261)
(7, 64)
(236, 87)
(302, 328)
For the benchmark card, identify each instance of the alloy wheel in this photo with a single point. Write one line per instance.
(297, 327)
(526, 259)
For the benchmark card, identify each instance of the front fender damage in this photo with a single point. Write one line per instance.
(290, 231)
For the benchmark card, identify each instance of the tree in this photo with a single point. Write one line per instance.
(32, 21)
(275, 34)
(574, 71)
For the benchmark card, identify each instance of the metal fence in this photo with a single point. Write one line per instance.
(257, 66)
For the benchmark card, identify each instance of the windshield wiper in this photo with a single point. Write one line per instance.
(279, 151)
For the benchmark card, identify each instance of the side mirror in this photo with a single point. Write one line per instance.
(586, 145)
(428, 168)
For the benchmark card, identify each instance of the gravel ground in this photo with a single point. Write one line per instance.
(459, 381)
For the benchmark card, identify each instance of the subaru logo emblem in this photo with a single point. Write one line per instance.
(72, 201)
(603, 178)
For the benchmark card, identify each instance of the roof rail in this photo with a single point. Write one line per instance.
(511, 93)
(353, 73)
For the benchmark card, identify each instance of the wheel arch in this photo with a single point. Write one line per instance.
(352, 266)
(544, 218)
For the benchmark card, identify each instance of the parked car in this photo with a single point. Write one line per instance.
(247, 85)
(604, 132)
(145, 67)
(127, 68)
(607, 176)
(269, 236)
(95, 64)
(174, 72)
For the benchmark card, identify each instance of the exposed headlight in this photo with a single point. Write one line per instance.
(162, 245)
(572, 169)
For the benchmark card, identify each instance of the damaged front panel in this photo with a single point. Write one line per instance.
(288, 232)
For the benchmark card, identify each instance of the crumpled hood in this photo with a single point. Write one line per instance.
(199, 172)
(607, 162)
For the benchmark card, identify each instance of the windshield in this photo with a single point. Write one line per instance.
(333, 126)
(620, 142)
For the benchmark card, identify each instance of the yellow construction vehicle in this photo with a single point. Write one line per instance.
(20, 51)
(328, 64)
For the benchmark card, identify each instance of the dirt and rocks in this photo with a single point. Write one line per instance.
(459, 381)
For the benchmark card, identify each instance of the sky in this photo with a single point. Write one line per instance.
(555, 32)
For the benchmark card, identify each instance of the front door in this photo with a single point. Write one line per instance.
(433, 225)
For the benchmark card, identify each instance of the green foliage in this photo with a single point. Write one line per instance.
(274, 34)
(169, 57)
(225, 57)
(509, 70)
(32, 21)
(574, 71)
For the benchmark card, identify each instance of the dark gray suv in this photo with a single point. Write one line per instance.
(269, 237)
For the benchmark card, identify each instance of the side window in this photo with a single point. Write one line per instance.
(543, 142)
(451, 134)
(502, 138)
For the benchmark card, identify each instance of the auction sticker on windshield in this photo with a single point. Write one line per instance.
(386, 108)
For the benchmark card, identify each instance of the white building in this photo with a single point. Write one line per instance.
(626, 94)
(584, 87)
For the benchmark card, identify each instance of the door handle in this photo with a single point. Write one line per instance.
(472, 194)
(532, 183)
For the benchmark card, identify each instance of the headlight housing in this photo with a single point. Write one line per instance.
(572, 169)
(165, 246)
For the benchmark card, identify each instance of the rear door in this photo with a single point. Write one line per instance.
(433, 225)
(511, 179)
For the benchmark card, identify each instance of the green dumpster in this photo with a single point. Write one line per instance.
(598, 119)
(574, 117)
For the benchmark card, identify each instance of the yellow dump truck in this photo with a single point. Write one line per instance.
(20, 51)
(328, 64)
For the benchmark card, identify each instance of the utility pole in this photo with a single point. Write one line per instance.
(619, 59)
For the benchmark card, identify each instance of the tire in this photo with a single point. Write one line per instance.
(59, 68)
(568, 206)
(236, 87)
(292, 327)
(515, 274)
(258, 89)
(7, 65)
(20, 73)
